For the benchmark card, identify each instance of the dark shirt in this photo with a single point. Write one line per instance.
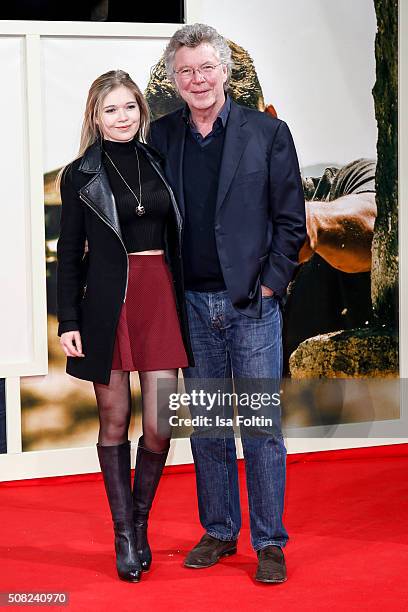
(140, 233)
(201, 166)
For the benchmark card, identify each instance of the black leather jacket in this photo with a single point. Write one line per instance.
(92, 288)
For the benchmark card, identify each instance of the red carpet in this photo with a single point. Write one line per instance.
(346, 512)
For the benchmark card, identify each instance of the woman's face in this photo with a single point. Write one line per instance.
(120, 116)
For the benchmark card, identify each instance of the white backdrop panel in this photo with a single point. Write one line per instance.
(315, 62)
(15, 269)
(69, 67)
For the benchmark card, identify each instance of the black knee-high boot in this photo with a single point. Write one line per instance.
(115, 466)
(149, 468)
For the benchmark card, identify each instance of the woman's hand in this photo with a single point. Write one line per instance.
(71, 344)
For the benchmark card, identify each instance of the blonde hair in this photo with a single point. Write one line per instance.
(100, 88)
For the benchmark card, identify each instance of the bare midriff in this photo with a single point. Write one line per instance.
(154, 252)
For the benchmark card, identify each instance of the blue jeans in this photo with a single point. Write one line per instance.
(228, 344)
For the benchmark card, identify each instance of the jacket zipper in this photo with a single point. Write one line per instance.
(173, 200)
(81, 197)
(178, 215)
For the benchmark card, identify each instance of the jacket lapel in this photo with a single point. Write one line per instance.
(175, 161)
(236, 140)
(97, 193)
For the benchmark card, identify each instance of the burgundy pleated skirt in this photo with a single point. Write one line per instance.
(148, 335)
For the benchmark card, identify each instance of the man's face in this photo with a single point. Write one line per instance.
(201, 90)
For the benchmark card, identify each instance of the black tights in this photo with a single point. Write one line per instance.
(114, 406)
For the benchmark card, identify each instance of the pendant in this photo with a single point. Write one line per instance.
(140, 210)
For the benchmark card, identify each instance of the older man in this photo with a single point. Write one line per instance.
(236, 176)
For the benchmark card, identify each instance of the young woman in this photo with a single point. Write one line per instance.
(117, 308)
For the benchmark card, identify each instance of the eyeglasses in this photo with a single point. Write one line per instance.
(206, 71)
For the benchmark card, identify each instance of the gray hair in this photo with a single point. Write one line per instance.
(192, 36)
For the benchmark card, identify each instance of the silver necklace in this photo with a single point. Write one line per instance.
(140, 210)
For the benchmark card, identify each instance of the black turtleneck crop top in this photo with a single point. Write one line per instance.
(140, 233)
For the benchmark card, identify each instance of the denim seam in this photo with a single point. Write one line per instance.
(262, 545)
(229, 520)
(220, 537)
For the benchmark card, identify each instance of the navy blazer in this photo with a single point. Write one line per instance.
(260, 222)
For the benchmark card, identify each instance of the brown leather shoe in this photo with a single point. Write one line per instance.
(271, 565)
(209, 551)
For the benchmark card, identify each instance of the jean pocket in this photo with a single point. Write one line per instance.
(269, 298)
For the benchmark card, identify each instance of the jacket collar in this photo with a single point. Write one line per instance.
(92, 159)
(221, 118)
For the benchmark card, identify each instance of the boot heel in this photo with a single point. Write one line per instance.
(127, 560)
(143, 549)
